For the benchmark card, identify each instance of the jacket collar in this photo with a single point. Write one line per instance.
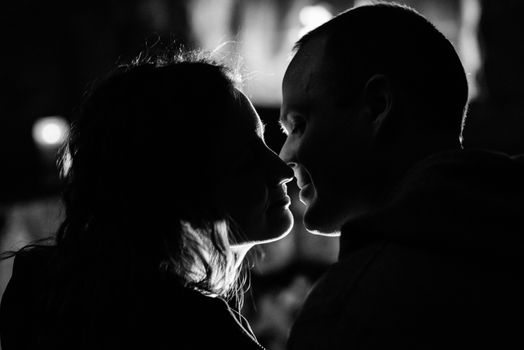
(458, 198)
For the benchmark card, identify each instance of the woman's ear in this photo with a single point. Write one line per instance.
(377, 100)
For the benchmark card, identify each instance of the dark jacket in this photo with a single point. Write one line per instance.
(442, 267)
(157, 313)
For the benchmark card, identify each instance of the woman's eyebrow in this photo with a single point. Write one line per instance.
(283, 119)
(283, 125)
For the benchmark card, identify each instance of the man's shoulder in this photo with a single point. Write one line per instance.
(387, 274)
(388, 288)
(326, 299)
(470, 167)
(351, 296)
(459, 198)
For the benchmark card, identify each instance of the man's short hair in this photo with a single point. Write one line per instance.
(395, 40)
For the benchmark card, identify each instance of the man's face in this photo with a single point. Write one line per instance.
(329, 144)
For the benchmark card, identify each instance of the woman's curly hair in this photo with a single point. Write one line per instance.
(138, 182)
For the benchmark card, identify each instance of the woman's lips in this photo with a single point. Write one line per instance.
(279, 198)
(281, 202)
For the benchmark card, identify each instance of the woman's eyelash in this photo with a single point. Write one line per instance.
(296, 124)
(283, 128)
(292, 125)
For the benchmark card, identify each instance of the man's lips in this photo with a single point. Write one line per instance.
(306, 193)
(301, 183)
(302, 176)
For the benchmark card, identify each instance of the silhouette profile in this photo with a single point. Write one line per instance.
(431, 242)
(168, 185)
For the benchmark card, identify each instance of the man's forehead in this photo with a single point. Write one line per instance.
(307, 66)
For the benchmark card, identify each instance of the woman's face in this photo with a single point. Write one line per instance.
(252, 178)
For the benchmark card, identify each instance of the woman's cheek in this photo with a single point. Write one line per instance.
(251, 198)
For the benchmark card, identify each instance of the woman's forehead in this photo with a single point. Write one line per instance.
(248, 117)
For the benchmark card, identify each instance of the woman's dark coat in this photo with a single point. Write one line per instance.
(155, 313)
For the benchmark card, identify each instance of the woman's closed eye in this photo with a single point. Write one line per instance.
(292, 124)
(297, 124)
(250, 156)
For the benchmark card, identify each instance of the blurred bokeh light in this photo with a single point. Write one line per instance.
(58, 48)
(50, 131)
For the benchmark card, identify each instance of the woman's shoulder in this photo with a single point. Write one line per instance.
(19, 300)
(33, 257)
(203, 321)
(30, 266)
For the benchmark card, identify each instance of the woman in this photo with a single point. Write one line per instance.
(168, 184)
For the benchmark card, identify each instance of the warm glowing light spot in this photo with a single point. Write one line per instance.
(50, 131)
(313, 16)
(51, 134)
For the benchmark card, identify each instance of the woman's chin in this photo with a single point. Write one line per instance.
(278, 226)
(269, 228)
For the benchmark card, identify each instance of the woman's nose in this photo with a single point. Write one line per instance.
(284, 171)
(286, 151)
(278, 171)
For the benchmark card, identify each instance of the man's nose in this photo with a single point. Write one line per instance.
(286, 152)
(282, 172)
(287, 173)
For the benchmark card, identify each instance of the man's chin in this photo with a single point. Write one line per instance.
(318, 224)
(319, 233)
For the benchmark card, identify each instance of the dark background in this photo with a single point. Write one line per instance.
(52, 50)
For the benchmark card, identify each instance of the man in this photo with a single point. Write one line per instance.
(430, 234)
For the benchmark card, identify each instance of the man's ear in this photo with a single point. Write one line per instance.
(377, 100)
